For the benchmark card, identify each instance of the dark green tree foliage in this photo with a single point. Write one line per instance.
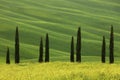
(72, 50)
(47, 49)
(8, 56)
(103, 50)
(78, 46)
(41, 51)
(17, 56)
(111, 47)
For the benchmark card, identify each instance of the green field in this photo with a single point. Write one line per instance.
(60, 71)
(61, 19)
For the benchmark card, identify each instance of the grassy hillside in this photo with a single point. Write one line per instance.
(59, 18)
(60, 71)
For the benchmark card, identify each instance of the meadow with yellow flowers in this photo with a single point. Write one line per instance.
(60, 71)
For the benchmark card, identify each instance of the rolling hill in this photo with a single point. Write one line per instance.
(61, 19)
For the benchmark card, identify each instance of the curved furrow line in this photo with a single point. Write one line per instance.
(37, 47)
(90, 41)
(87, 13)
(67, 27)
(101, 19)
(58, 34)
(37, 28)
(106, 2)
(93, 5)
(33, 20)
(34, 27)
(17, 14)
(97, 9)
(75, 10)
(83, 13)
(51, 50)
(95, 29)
(93, 35)
(100, 3)
(90, 28)
(57, 18)
(32, 17)
(22, 20)
(84, 32)
(33, 47)
(85, 40)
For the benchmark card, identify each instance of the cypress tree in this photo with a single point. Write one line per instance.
(41, 51)
(111, 47)
(103, 50)
(78, 46)
(8, 56)
(47, 49)
(72, 50)
(17, 56)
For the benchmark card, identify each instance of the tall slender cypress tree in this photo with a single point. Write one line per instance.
(47, 49)
(17, 56)
(111, 47)
(72, 50)
(103, 50)
(8, 56)
(41, 51)
(78, 46)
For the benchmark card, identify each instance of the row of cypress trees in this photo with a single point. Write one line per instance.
(78, 48)
(17, 55)
(103, 52)
(111, 48)
(46, 50)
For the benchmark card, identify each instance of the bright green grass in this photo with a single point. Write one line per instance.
(60, 71)
(59, 18)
